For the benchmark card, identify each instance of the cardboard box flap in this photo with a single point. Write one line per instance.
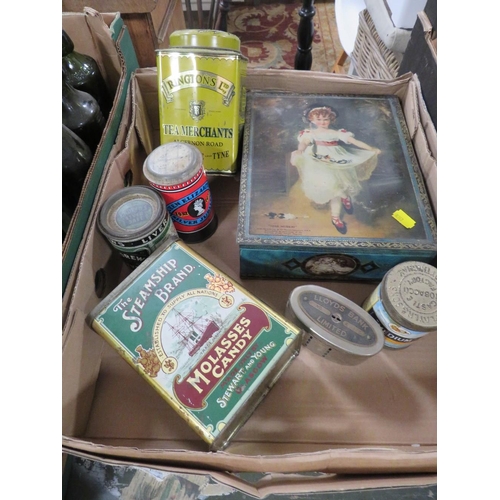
(342, 461)
(97, 42)
(146, 98)
(424, 138)
(102, 38)
(417, 116)
(269, 79)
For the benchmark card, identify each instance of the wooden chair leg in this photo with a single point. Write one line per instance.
(338, 67)
(305, 34)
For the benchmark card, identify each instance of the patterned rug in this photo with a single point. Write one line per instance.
(268, 34)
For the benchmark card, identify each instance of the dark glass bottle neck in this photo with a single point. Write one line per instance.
(67, 44)
(68, 89)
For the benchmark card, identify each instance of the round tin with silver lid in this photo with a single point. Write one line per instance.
(135, 221)
(334, 327)
(405, 303)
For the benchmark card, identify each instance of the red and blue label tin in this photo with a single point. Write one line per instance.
(176, 171)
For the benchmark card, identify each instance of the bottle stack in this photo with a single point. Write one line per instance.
(86, 104)
(82, 72)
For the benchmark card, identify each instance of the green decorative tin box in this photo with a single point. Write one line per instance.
(209, 348)
(330, 189)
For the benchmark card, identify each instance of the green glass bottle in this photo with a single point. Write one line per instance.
(76, 160)
(83, 73)
(81, 113)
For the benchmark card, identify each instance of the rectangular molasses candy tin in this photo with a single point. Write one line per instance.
(201, 95)
(206, 345)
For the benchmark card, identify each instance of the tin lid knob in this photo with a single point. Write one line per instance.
(214, 39)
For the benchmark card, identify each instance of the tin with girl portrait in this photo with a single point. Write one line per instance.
(330, 176)
(329, 173)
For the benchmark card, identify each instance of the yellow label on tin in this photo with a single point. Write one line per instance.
(404, 219)
(205, 79)
(200, 103)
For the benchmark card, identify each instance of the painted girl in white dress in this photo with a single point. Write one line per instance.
(328, 172)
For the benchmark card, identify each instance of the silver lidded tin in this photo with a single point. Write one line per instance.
(334, 327)
(405, 303)
(135, 221)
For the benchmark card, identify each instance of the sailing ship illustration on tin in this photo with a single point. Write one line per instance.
(193, 330)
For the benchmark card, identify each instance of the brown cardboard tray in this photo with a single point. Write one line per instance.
(377, 417)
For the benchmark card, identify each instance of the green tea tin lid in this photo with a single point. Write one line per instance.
(213, 39)
(335, 327)
(172, 163)
(409, 295)
(131, 213)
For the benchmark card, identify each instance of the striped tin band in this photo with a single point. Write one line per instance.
(179, 187)
(156, 233)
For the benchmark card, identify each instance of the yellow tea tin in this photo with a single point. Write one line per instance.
(201, 95)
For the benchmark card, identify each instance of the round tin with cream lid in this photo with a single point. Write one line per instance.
(405, 303)
(135, 221)
(176, 171)
(334, 327)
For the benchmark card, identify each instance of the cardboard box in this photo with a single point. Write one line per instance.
(105, 38)
(375, 418)
(288, 198)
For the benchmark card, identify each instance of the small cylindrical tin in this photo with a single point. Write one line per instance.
(334, 327)
(176, 171)
(135, 221)
(405, 303)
